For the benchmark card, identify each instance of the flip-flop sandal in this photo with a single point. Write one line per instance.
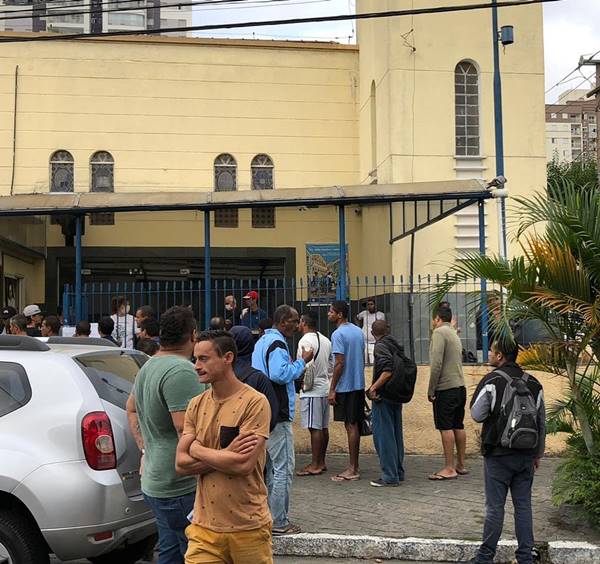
(309, 473)
(341, 478)
(463, 472)
(439, 478)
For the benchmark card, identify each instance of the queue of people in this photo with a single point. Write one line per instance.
(216, 435)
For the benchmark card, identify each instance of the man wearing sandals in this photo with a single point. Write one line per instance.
(347, 388)
(314, 406)
(448, 394)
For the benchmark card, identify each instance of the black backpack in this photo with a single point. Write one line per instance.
(518, 417)
(401, 386)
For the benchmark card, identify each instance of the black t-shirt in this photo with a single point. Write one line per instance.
(33, 332)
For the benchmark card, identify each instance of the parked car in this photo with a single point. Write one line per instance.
(69, 466)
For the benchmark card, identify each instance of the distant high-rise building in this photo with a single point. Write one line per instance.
(58, 16)
(572, 128)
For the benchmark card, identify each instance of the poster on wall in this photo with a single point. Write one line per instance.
(323, 267)
(11, 292)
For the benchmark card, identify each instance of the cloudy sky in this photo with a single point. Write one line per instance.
(571, 29)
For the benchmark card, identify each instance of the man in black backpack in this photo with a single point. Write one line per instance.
(387, 414)
(510, 404)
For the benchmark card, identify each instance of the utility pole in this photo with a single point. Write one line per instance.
(505, 36)
(595, 93)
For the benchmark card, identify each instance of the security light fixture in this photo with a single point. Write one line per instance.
(507, 35)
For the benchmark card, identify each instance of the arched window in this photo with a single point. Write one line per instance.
(61, 171)
(102, 179)
(226, 181)
(102, 171)
(262, 179)
(466, 90)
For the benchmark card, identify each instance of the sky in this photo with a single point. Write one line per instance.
(571, 29)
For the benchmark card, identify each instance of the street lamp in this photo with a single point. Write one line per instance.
(506, 36)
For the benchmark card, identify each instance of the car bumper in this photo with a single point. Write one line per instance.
(72, 543)
(71, 503)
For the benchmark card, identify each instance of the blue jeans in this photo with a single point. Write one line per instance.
(389, 442)
(501, 473)
(280, 471)
(171, 521)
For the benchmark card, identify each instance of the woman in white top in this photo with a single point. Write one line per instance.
(124, 330)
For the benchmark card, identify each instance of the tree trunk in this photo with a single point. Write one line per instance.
(580, 413)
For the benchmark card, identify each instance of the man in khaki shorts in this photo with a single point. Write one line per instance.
(223, 443)
(314, 405)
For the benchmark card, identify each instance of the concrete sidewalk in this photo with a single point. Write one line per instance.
(421, 508)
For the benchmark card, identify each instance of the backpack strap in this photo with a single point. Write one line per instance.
(504, 375)
(278, 344)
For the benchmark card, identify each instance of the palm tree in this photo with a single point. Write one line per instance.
(555, 282)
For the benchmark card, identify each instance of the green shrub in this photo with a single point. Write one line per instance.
(577, 480)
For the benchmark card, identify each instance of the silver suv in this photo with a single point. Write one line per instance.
(69, 466)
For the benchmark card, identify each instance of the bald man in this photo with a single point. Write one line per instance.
(386, 414)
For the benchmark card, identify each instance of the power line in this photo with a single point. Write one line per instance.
(585, 79)
(564, 78)
(291, 21)
(46, 14)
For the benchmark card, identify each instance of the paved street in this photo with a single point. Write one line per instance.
(418, 508)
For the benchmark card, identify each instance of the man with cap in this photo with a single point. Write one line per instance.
(252, 314)
(7, 313)
(34, 316)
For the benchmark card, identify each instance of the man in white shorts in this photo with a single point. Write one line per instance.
(314, 405)
(365, 319)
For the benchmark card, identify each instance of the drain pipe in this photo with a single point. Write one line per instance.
(14, 140)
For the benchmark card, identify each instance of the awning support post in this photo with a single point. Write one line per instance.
(342, 291)
(207, 272)
(78, 297)
(483, 283)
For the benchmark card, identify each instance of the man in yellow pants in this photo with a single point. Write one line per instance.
(223, 443)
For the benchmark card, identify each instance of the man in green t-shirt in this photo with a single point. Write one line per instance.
(156, 408)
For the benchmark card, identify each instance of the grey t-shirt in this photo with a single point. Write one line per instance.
(165, 384)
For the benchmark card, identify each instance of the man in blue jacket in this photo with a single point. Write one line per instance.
(272, 357)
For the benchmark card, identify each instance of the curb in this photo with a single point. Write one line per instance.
(417, 549)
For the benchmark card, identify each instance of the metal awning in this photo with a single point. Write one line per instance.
(87, 202)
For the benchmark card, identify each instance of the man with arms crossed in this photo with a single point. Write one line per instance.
(347, 388)
(156, 407)
(448, 394)
(314, 405)
(224, 444)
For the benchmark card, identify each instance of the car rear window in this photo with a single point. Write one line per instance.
(112, 375)
(15, 390)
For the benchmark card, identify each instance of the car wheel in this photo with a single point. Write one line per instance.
(20, 541)
(130, 554)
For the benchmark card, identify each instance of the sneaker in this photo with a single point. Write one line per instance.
(288, 530)
(379, 483)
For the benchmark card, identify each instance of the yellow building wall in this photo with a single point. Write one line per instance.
(165, 108)
(30, 272)
(415, 108)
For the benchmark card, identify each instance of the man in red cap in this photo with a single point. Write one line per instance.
(252, 314)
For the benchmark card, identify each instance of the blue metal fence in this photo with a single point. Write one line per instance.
(405, 304)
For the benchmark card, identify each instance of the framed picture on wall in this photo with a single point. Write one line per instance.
(12, 292)
(322, 264)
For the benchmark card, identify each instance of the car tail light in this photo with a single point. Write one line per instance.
(98, 441)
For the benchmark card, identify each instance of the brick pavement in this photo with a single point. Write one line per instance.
(419, 507)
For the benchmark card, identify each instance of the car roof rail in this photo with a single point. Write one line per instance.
(21, 343)
(89, 341)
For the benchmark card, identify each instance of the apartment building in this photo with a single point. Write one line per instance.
(92, 16)
(572, 128)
